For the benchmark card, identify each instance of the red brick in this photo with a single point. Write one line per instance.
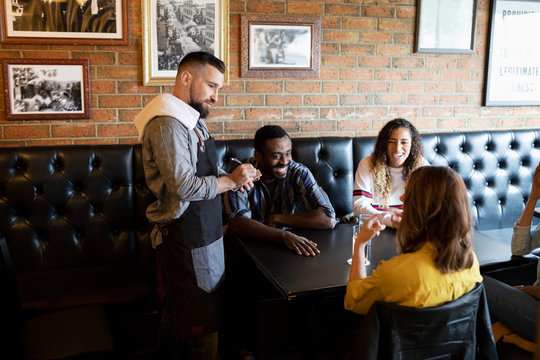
(470, 86)
(103, 87)
(117, 130)
(304, 8)
(338, 61)
(454, 99)
(376, 112)
(242, 127)
(423, 75)
(103, 115)
(373, 61)
(406, 13)
(440, 87)
(232, 87)
(321, 100)
(73, 130)
(374, 86)
(375, 37)
(113, 72)
(437, 111)
(407, 112)
(127, 115)
(335, 9)
(329, 74)
(303, 87)
(533, 122)
(378, 11)
(356, 74)
(354, 125)
(283, 100)
(527, 110)
(452, 123)
(300, 113)
(357, 49)
(266, 7)
(481, 123)
(48, 142)
(393, 50)
(119, 101)
(467, 111)
(264, 87)
(455, 75)
(309, 126)
(342, 36)
(331, 22)
(338, 113)
(441, 62)
(404, 39)
(96, 58)
(263, 114)
(46, 54)
(510, 123)
(225, 114)
(130, 58)
(357, 99)
(339, 87)
(395, 25)
(136, 87)
(390, 99)
(240, 100)
(422, 99)
(390, 74)
(360, 23)
(26, 132)
(406, 62)
(408, 86)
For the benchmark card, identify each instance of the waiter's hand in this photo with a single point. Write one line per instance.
(300, 244)
(243, 176)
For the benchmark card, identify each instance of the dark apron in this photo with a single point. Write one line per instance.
(193, 260)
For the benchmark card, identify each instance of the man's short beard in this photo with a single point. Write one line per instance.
(199, 106)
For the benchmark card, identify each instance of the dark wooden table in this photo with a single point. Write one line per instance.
(294, 275)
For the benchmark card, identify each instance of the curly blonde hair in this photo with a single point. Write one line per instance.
(379, 161)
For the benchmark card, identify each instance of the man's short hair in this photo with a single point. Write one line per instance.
(266, 133)
(199, 58)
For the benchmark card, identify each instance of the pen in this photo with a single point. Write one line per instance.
(233, 159)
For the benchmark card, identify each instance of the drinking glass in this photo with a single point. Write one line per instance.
(355, 232)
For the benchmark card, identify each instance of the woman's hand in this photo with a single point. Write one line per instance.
(372, 227)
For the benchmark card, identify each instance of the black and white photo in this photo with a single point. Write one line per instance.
(66, 21)
(280, 45)
(174, 28)
(46, 89)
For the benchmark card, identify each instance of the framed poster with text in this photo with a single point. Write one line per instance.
(513, 75)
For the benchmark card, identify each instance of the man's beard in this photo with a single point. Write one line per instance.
(199, 106)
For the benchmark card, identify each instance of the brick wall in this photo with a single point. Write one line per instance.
(369, 75)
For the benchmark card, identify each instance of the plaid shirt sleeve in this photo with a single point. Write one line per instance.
(313, 196)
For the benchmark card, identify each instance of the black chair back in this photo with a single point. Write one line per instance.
(460, 329)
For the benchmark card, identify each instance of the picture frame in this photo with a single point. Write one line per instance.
(446, 26)
(280, 46)
(46, 89)
(73, 22)
(513, 71)
(198, 25)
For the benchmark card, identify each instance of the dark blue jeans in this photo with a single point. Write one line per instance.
(515, 308)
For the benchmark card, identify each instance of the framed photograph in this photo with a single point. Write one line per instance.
(280, 45)
(513, 70)
(46, 89)
(446, 26)
(64, 22)
(173, 28)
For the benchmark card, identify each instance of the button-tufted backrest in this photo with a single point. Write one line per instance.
(68, 206)
(496, 166)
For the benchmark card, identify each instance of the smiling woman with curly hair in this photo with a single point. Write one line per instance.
(380, 177)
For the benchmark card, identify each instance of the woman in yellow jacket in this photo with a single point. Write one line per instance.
(436, 262)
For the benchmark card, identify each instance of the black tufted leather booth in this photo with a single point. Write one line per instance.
(74, 216)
